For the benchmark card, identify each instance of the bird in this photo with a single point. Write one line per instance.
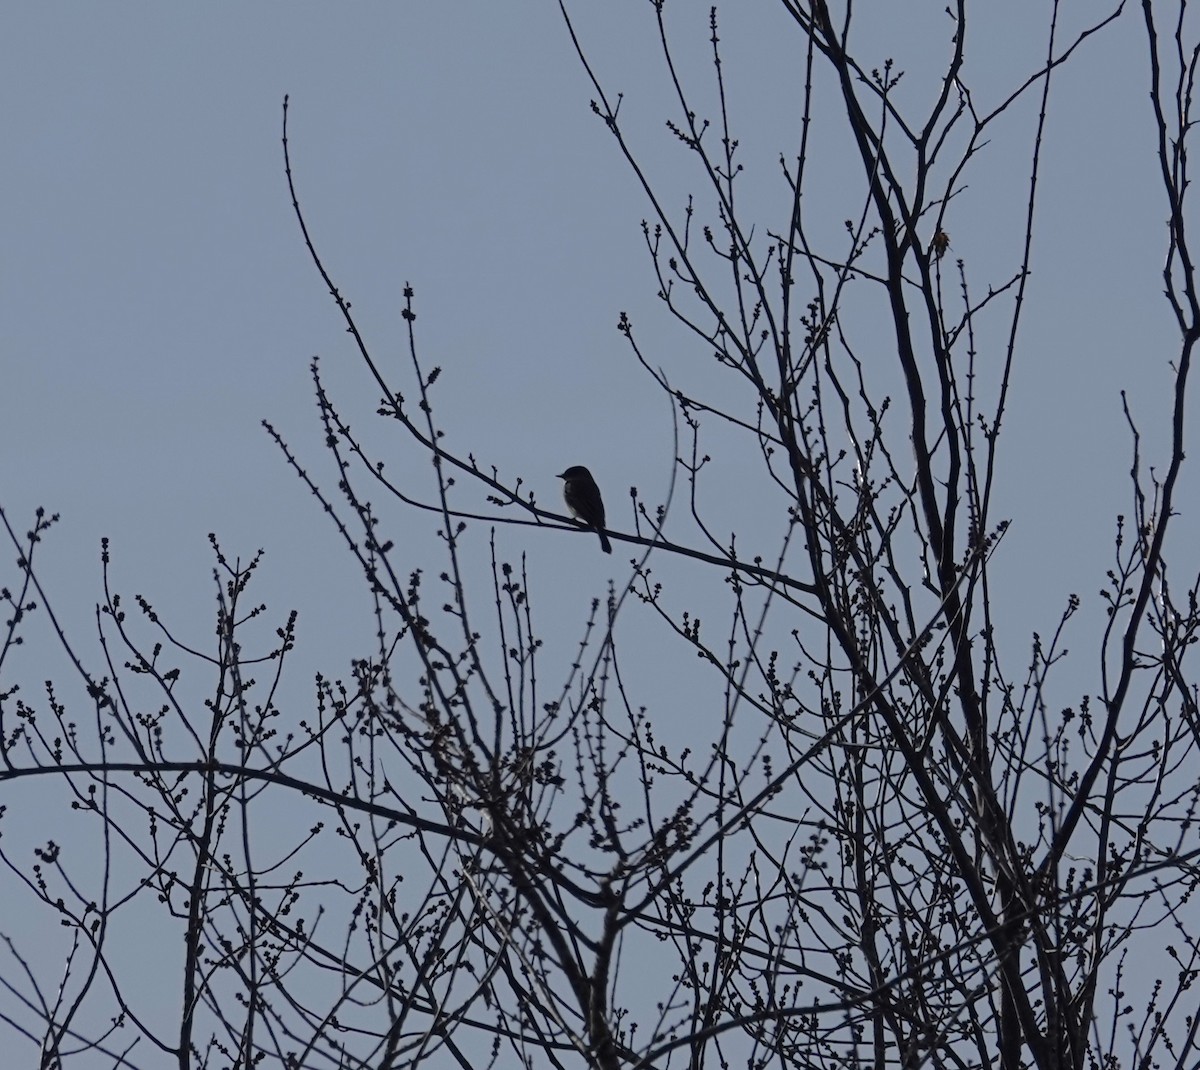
(583, 499)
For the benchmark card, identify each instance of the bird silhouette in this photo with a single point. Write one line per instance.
(583, 499)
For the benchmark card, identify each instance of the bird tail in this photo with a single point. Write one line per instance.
(605, 545)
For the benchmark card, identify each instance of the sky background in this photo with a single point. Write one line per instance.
(157, 302)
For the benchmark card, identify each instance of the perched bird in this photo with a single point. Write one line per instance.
(583, 499)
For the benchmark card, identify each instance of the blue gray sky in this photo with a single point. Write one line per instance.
(156, 300)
